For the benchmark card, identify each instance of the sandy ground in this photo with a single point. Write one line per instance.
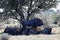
(36, 37)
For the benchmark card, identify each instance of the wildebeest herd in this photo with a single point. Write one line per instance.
(29, 27)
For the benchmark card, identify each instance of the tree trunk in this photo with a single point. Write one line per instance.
(20, 13)
(29, 10)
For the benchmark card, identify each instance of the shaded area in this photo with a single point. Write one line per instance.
(28, 28)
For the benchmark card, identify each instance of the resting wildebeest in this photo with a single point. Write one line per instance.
(12, 30)
(29, 27)
(25, 30)
(17, 31)
(32, 23)
(46, 30)
(28, 31)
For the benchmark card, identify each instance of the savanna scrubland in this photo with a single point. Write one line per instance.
(14, 12)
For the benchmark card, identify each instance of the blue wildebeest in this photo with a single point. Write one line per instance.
(33, 23)
(29, 27)
(12, 30)
(46, 30)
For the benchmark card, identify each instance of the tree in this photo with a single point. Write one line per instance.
(15, 8)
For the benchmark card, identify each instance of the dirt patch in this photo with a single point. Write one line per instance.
(36, 37)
